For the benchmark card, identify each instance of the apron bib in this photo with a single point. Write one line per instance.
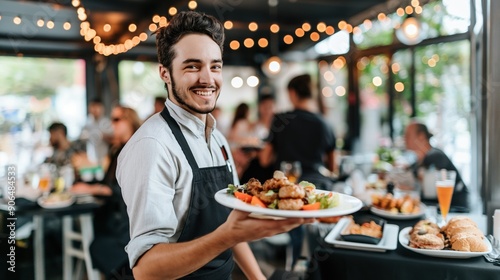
(204, 214)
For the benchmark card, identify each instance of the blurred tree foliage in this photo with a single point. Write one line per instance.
(38, 77)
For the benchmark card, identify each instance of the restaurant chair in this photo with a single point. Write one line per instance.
(282, 240)
(81, 252)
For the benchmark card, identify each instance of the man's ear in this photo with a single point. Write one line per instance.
(164, 74)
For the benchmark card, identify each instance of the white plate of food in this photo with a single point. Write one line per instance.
(56, 200)
(399, 216)
(404, 239)
(347, 205)
(389, 239)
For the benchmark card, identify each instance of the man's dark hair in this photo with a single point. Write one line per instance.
(96, 100)
(265, 97)
(58, 126)
(422, 128)
(302, 85)
(160, 99)
(186, 22)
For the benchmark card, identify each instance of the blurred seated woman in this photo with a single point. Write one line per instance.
(239, 136)
(111, 225)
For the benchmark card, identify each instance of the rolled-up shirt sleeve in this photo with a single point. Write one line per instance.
(146, 175)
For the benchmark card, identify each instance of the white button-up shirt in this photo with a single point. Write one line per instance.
(156, 178)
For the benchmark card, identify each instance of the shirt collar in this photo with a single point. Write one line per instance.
(189, 121)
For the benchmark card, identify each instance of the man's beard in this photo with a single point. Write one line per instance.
(56, 145)
(181, 101)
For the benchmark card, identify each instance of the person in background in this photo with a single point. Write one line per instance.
(241, 124)
(97, 132)
(111, 223)
(158, 105)
(240, 136)
(261, 131)
(417, 139)
(301, 135)
(63, 149)
(222, 123)
(174, 164)
(265, 109)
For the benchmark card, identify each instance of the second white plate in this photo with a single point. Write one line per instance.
(348, 204)
(44, 203)
(389, 239)
(399, 216)
(404, 239)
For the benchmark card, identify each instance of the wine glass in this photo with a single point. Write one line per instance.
(445, 184)
(292, 170)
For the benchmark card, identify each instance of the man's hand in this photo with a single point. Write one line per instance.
(240, 227)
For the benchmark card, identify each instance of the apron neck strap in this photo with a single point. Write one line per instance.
(176, 130)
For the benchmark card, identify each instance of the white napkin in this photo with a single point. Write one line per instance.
(496, 224)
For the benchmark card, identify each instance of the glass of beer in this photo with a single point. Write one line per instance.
(45, 175)
(292, 170)
(445, 184)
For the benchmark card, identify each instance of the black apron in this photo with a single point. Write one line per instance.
(205, 214)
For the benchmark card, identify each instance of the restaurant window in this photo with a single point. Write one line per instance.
(378, 32)
(333, 89)
(443, 98)
(446, 17)
(139, 85)
(36, 92)
(374, 99)
(438, 18)
(336, 44)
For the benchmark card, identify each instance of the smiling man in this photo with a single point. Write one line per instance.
(171, 168)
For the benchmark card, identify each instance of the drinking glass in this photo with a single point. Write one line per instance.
(292, 170)
(445, 184)
(45, 174)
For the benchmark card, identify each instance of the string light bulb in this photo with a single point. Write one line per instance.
(17, 20)
(40, 22)
(410, 32)
(50, 24)
(67, 25)
(272, 66)
(132, 27)
(192, 5)
(275, 28)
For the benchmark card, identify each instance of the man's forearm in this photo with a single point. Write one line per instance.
(174, 260)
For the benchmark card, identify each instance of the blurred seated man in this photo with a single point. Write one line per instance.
(64, 149)
(417, 138)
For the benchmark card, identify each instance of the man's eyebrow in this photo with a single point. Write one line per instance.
(191, 60)
(195, 60)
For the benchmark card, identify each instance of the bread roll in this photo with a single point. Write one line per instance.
(469, 243)
(464, 235)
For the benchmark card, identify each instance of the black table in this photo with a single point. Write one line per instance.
(328, 262)
(31, 209)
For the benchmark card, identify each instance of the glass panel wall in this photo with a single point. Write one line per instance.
(36, 92)
(140, 83)
(402, 93)
(374, 99)
(333, 88)
(443, 98)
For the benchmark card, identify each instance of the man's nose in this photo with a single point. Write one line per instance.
(206, 76)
